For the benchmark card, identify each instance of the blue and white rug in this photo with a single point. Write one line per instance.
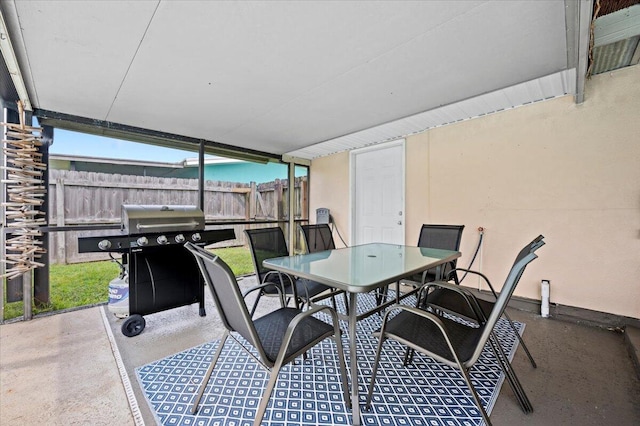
(310, 392)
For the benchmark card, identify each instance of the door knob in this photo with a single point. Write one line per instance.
(399, 222)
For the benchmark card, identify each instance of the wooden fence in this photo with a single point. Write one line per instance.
(88, 198)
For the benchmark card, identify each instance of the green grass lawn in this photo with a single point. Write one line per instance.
(84, 284)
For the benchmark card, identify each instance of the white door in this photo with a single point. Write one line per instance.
(378, 194)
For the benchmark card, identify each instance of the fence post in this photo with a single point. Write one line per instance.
(253, 198)
(277, 199)
(61, 253)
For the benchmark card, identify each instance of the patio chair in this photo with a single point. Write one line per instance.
(278, 337)
(318, 237)
(447, 301)
(451, 342)
(266, 243)
(445, 237)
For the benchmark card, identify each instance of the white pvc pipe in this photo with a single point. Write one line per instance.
(546, 291)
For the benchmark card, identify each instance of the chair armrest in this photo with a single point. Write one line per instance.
(469, 298)
(263, 285)
(296, 321)
(429, 316)
(483, 276)
(281, 281)
(314, 310)
(443, 266)
(279, 274)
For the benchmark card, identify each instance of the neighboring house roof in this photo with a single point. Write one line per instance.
(119, 166)
(59, 158)
(216, 168)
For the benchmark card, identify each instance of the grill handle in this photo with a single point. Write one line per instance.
(163, 225)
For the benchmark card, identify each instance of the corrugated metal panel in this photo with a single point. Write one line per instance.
(615, 55)
(537, 90)
(615, 39)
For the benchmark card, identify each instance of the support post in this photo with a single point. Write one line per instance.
(61, 255)
(41, 282)
(201, 176)
(292, 213)
(27, 296)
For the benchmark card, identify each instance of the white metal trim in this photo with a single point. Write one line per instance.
(541, 89)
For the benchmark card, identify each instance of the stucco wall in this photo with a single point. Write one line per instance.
(569, 172)
(329, 187)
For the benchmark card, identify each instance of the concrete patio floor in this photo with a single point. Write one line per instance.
(62, 369)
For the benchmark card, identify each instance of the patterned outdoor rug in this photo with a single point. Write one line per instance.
(310, 393)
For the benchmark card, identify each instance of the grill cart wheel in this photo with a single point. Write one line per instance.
(133, 325)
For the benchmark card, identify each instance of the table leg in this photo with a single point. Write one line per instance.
(355, 399)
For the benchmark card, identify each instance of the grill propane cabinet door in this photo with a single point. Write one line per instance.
(163, 278)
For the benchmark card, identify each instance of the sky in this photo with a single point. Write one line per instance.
(74, 143)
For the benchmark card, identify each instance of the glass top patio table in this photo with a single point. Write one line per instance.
(361, 269)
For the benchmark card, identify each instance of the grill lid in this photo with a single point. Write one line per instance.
(140, 219)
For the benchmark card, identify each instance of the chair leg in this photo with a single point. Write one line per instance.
(374, 372)
(381, 295)
(408, 357)
(207, 376)
(343, 365)
(521, 340)
(510, 375)
(264, 401)
(474, 394)
(346, 303)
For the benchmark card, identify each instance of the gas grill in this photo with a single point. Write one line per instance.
(161, 273)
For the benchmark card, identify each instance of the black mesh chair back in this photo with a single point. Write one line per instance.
(454, 343)
(444, 237)
(266, 243)
(226, 295)
(524, 257)
(448, 301)
(318, 237)
(278, 337)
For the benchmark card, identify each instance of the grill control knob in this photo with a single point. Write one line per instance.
(196, 236)
(179, 238)
(162, 239)
(142, 241)
(104, 245)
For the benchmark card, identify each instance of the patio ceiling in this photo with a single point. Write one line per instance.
(303, 79)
